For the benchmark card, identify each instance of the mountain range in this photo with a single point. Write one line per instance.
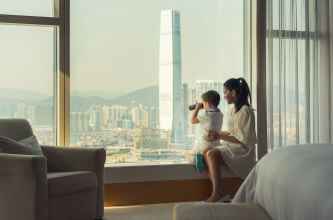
(146, 96)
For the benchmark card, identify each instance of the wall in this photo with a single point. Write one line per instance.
(124, 194)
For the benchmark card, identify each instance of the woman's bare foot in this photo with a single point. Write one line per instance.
(214, 197)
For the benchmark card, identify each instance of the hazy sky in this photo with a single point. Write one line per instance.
(115, 44)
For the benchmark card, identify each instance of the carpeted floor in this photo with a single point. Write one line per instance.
(145, 212)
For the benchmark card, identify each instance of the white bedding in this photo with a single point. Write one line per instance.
(293, 183)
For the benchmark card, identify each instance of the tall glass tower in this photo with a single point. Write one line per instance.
(171, 109)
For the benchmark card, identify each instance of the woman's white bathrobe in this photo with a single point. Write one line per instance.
(241, 125)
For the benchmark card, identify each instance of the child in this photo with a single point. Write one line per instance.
(210, 118)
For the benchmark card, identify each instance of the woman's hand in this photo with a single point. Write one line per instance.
(213, 136)
(223, 135)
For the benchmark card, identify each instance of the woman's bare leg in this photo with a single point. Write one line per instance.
(214, 161)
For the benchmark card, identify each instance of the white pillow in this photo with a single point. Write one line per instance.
(32, 142)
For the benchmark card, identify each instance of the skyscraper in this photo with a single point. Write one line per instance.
(170, 78)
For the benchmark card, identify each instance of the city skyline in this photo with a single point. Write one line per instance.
(27, 108)
(126, 132)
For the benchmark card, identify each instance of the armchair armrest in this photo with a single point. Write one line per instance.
(63, 159)
(223, 211)
(23, 187)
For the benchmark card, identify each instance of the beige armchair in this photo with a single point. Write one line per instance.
(66, 184)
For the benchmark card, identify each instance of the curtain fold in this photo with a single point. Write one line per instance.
(298, 71)
(330, 60)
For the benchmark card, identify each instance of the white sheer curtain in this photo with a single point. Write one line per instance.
(298, 71)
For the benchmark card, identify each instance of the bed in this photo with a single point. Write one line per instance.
(290, 183)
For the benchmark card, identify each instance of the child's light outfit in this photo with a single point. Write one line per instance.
(209, 120)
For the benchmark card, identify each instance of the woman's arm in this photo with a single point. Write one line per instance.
(229, 138)
(223, 135)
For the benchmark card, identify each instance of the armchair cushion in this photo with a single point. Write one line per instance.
(32, 142)
(10, 146)
(64, 183)
(16, 129)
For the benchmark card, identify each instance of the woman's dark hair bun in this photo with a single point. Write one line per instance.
(242, 89)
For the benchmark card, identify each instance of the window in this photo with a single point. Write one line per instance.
(27, 86)
(137, 65)
(33, 65)
(135, 68)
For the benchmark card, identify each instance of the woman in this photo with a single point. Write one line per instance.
(238, 142)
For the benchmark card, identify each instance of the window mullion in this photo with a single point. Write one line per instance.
(63, 98)
(259, 59)
(32, 20)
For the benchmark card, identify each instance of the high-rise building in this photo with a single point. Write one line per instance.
(170, 77)
(116, 114)
(140, 117)
(85, 117)
(105, 115)
(153, 117)
(79, 121)
(126, 123)
(96, 117)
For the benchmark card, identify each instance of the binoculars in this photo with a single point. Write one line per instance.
(192, 107)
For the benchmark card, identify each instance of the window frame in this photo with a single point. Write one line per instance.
(255, 72)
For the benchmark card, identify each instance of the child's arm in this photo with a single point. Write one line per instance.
(194, 118)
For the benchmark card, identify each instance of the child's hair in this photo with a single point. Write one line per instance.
(242, 91)
(212, 97)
